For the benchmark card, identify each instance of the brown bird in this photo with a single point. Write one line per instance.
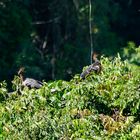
(96, 67)
(29, 82)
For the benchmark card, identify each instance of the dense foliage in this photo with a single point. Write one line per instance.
(103, 106)
(51, 39)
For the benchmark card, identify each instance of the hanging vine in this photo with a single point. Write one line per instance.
(90, 30)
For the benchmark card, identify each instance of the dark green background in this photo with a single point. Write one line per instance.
(51, 37)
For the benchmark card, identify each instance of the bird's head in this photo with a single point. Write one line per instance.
(21, 70)
(94, 56)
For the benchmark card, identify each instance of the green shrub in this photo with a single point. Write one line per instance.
(132, 53)
(103, 106)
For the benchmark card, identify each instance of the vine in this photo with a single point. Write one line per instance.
(90, 30)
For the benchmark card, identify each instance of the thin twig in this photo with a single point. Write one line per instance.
(46, 22)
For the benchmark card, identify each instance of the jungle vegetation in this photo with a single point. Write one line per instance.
(52, 40)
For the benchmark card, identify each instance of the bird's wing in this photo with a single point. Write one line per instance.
(32, 83)
(39, 82)
(94, 67)
(86, 72)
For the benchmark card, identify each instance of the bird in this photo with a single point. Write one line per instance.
(96, 67)
(29, 82)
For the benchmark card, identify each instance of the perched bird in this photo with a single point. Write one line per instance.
(29, 82)
(96, 67)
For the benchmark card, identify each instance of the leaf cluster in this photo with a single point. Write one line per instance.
(103, 106)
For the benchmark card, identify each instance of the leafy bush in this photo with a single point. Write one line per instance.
(132, 53)
(104, 106)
